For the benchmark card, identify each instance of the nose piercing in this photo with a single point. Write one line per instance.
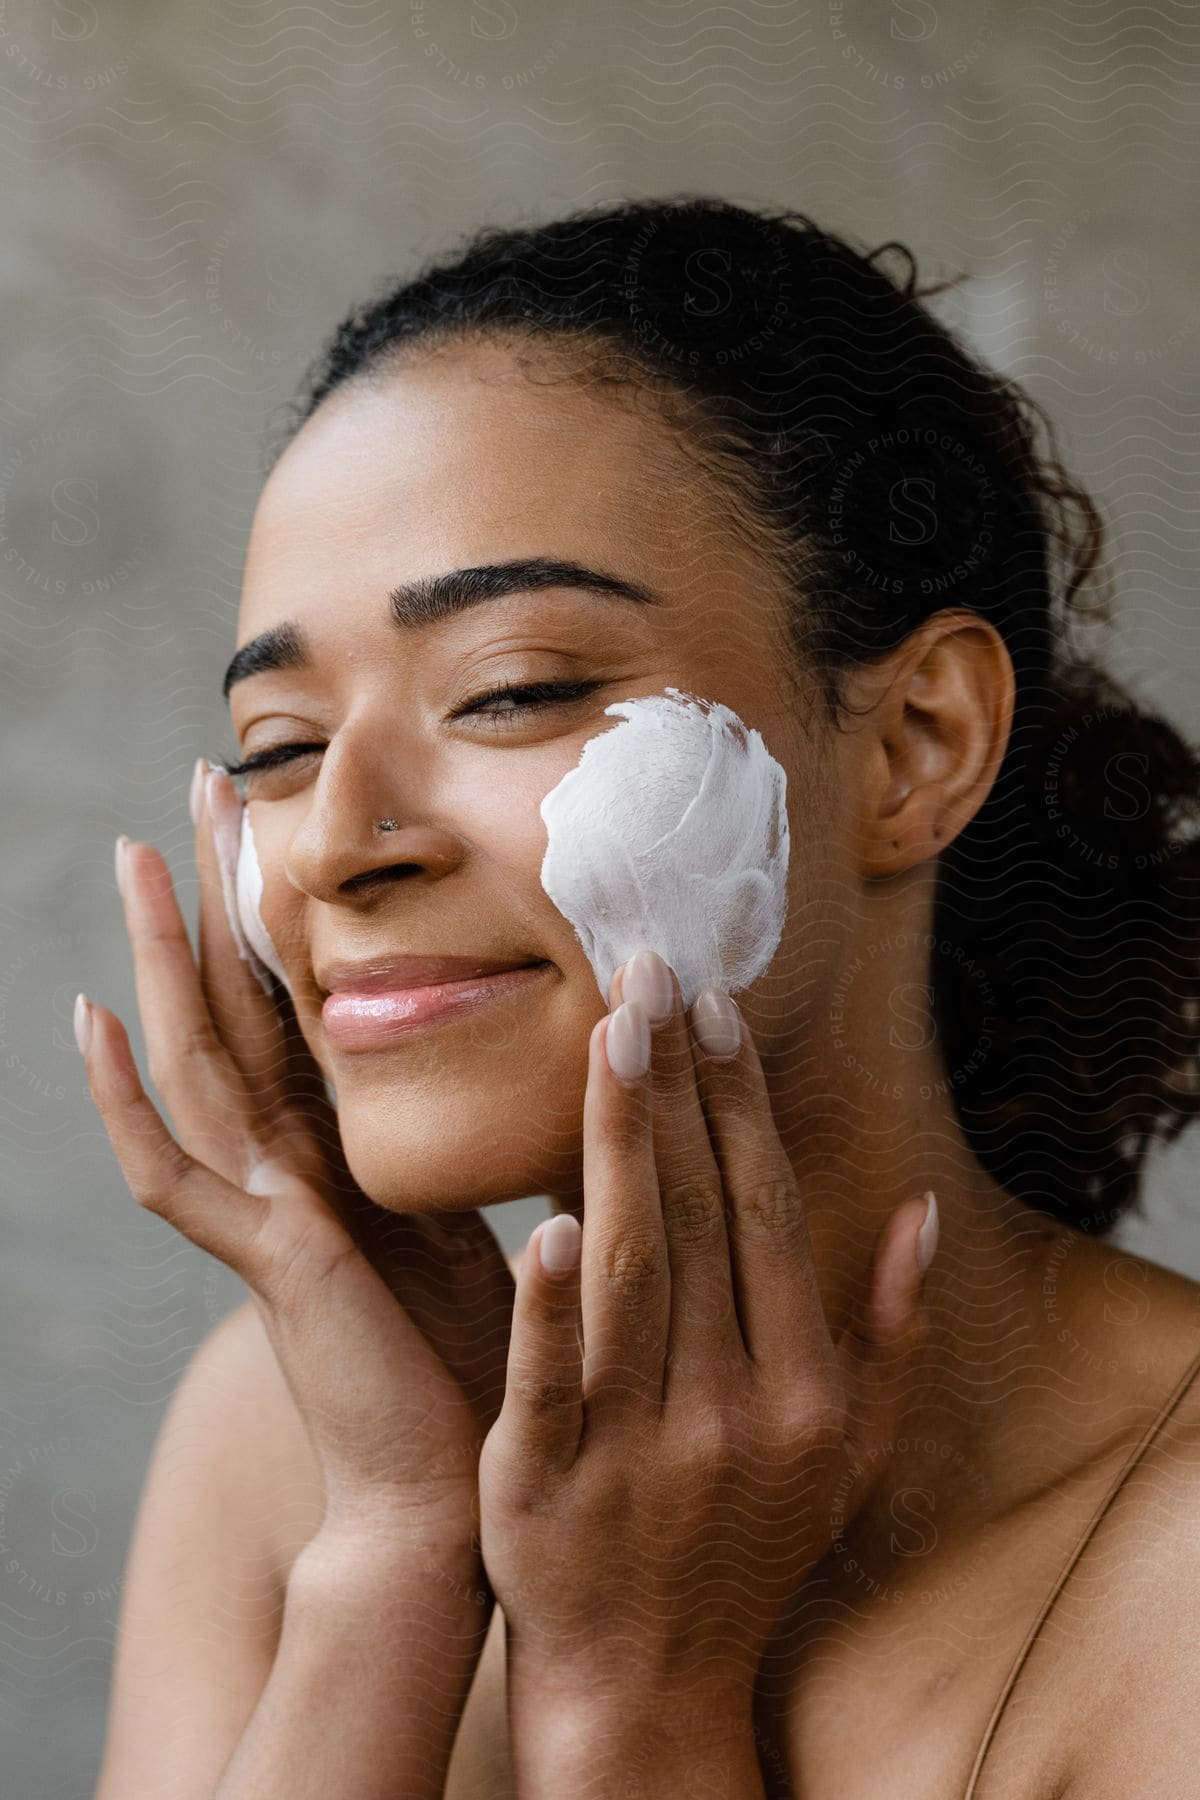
(387, 825)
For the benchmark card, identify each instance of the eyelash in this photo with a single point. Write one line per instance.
(545, 693)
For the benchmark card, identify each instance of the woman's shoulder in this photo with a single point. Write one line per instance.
(1122, 1323)
(227, 1502)
(1127, 1614)
(1116, 1648)
(480, 1762)
(266, 1417)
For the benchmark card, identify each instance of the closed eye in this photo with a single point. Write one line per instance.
(268, 759)
(523, 700)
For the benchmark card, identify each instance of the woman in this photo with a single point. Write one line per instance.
(784, 1477)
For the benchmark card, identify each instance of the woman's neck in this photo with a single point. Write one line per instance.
(858, 1157)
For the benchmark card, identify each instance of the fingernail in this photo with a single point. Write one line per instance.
(559, 1244)
(196, 791)
(83, 1023)
(717, 1024)
(227, 830)
(647, 979)
(627, 1041)
(212, 779)
(226, 810)
(927, 1237)
(119, 863)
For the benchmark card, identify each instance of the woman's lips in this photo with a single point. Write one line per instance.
(374, 1017)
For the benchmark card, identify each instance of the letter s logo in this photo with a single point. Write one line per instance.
(923, 1532)
(708, 262)
(84, 1535)
(922, 13)
(85, 521)
(1137, 794)
(911, 1005)
(503, 15)
(1127, 290)
(1126, 1281)
(285, 294)
(913, 500)
(85, 17)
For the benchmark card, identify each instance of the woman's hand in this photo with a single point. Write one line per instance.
(365, 1309)
(447, 1271)
(678, 1419)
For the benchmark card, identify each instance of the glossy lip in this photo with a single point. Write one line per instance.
(390, 974)
(381, 1004)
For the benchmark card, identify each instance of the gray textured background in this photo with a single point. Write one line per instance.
(193, 193)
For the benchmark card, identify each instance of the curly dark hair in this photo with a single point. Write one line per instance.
(891, 475)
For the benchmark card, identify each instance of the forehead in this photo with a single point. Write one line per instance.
(476, 454)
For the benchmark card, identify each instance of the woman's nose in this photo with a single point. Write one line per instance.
(333, 859)
(375, 814)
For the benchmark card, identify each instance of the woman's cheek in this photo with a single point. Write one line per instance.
(671, 834)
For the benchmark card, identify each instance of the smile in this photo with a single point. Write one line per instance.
(375, 1019)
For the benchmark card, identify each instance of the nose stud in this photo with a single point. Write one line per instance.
(387, 825)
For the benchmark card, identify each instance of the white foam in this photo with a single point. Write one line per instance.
(249, 902)
(671, 834)
(242, 886)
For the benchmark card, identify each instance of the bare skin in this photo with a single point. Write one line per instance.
(1107, 1692)
(1048, 1352)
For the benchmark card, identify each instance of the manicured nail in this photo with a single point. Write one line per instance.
(559, 1244)
(224, 803)
(627, 1041)
(196, 791)
(83, 1023)
(717, 1024)
(119, 862)
(647, 979)
(213, 780)
(927, 1237)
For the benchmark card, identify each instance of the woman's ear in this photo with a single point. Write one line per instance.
(937, 729)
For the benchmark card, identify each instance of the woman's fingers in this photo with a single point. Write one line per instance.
(214, 1213)
(240, 1223)
(778, 1299)
(543, 1395)
(399, 1426)
(703, 1325)
(189, 1065)
(450, 1276)
(626, 1296)
(876, 1348)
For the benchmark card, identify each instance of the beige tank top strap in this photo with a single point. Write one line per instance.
(1139, 1450)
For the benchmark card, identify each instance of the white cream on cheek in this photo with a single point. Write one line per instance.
(249, 886)
(242, 886)
(671, 834)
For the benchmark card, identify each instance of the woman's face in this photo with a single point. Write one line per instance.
(460, 461)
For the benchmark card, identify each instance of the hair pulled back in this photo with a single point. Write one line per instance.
(891, 475)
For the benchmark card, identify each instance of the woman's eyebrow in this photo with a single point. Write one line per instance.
(432, 598)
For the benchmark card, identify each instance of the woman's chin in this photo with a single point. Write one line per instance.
(428, 1159)
(473, 1113)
